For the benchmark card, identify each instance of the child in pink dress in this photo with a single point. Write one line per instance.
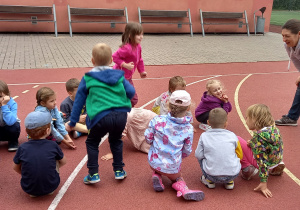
(128, 57)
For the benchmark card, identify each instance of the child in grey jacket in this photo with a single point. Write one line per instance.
(218, 152)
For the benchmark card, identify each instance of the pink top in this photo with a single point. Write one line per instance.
(127, 54)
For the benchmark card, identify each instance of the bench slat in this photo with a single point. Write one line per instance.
(163, 13)
(25, 9)
(96, 12)
(223, 15)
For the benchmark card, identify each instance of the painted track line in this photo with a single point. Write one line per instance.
(159, 78)
(236, 101)
(69, 181)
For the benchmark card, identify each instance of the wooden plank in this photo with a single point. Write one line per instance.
(96, 12)
(163, 13)
(224, 15)
(25, 9)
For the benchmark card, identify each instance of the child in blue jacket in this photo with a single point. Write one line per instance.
(9, 122)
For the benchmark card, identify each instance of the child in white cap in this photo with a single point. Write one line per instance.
(38, 159)
(171, 140)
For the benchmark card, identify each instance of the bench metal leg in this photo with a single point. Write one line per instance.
(140, 19)
(247, 25)
(191, 28)
(55, 23)
(126, 14)
(70, 24)
(202, 26)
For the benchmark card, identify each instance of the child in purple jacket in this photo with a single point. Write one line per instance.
(214, 97)
(128, 57)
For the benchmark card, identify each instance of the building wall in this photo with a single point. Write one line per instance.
(132, 6)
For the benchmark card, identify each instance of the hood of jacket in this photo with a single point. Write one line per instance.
(106, 74)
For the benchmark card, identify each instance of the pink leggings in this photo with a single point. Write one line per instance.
(135, 99)
(248, 158)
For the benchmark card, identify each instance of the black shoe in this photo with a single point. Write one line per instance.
(12, 147)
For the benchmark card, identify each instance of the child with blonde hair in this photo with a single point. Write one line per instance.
(107, 95)
(67, 105)
(171, 139)
(264, 152)
(46, 102)
(160, 106)
(213, 97)
(9, 121)
(219, 152)
(128, 57)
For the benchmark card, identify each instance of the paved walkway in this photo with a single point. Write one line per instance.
(29, 51)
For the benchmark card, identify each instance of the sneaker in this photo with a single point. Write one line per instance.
(249, 172)
(76, 134)
(204, 127)
(278, 170)
(120, 174)
(229, 185)
(12, 147)
(285, 120)
(207, 183)
(157, 182)
(91, 179)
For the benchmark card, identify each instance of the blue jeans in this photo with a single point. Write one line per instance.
(217, 179)
(113, 124)
(10, 134)
(294, 112)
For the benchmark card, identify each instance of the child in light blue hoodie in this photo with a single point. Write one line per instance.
(46, 102)
(9, 122)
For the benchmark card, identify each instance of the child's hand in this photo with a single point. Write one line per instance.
(68, 127)
(68, 142)
(224, 98)
(248, 143)
(82, 118)
(263, 188)
(143, 74)
(5, 100)
(128, 66)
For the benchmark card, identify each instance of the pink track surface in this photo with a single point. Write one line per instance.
(270, 84)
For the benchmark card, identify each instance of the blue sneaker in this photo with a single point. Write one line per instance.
(91, 179)
(120, 174)
(76, 134)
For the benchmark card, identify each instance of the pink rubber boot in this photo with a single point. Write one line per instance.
(157, 182)
(183, 190)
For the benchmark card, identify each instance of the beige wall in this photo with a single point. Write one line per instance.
(194, 5)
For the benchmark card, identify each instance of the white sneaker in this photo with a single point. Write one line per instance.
(204, 127)
(207, 183)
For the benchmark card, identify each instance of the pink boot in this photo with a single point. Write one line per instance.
(183, 190)
(157, 182)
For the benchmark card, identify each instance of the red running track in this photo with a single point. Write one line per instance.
(269, 83)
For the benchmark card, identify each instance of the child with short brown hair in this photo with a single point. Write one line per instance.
(67, 105)
(39, 160)
(9, 122)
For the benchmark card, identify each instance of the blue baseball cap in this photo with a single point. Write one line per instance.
(37, 119)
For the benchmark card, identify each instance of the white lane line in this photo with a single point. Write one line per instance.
(223, 75)
(236, 101)
(25, 91)
(15, 97)
(69, 181)
(67, 184)
(35, 86)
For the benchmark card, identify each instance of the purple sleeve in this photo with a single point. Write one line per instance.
(227, 107)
